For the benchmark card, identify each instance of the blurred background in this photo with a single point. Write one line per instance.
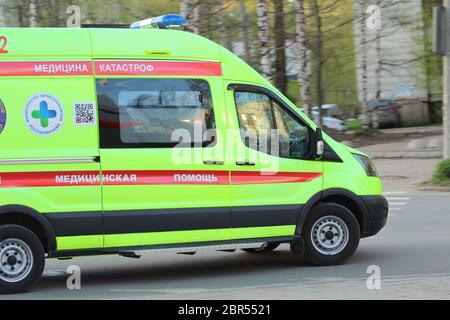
(349, 66)
(370, 66)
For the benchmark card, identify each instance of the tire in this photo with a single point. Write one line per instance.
(269, 248)
(340, 235)
(22, 259)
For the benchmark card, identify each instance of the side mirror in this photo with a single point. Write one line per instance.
(319, 143)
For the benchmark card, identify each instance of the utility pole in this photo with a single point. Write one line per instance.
(446, 98)
(445, 29)
(442, 48)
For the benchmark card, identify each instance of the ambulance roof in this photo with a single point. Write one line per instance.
(109, 43)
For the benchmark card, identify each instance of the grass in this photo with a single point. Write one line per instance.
(354, 124)
(369, 132)
(442, 175)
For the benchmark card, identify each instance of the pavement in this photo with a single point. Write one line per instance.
(430, 147)
(411, 255)
(408, 143)
(436, 130)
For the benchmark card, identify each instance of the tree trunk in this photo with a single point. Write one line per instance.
(22, 15)
(320, 59)
(245, 31)
(187, 8)
(367, 116)
(33, 13)
(196, 17)
(304, 75)
(206, 11)
(263, 35)
(280, 43)
(224, 29)
(377, 70)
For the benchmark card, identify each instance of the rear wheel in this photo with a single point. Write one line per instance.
(22, 259)
(331, 234)
(269, 248)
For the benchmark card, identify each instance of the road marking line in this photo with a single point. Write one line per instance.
(395, 192)
(398, 203)
(395, 209)
(398, 198)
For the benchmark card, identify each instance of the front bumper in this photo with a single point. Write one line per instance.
(378, 208)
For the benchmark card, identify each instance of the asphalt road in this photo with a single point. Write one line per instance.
(412, 253)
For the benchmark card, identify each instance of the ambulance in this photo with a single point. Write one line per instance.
(131, 140)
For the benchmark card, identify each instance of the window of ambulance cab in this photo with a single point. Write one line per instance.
(155, 113)
(268, 127)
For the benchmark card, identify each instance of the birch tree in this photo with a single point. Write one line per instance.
(378, 66)
(320, 58)
(33, 13)
(304, 76)
(367, 118)
(189, 9)
(263, 36)
(224, 30)
(245, 30)
(280, 78)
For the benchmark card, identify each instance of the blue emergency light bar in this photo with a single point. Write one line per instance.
(162, 22)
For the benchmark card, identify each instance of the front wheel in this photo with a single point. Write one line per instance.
(331, 235)
(22, 259)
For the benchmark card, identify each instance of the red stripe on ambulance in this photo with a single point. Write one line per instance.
(164, 177)
(48, 179)
(256, 177)
(157, 68)
(154, 177)
(45, 68)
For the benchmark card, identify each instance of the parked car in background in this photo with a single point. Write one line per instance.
(329, 122)
(331, 115)
(330, 110)
(387, 112)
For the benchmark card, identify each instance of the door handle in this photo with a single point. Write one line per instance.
(211, 162)
(245, 163)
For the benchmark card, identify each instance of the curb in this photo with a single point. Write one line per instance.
(406, 155)
(434, 188)
(406, 131)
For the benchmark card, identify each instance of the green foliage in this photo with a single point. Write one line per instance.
(442, 175)
(431, 63)
(354, 124)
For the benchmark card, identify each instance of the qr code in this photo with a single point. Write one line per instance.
(84, 113)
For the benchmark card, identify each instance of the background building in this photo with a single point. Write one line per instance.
(402, 76)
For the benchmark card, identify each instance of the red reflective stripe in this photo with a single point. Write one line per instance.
(46, 68)
(165, 177)
(45, 179)
(256, 177)
(155, 177)
(157, 68)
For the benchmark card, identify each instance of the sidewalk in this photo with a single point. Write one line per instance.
(436, 130)
(425, 148)
(406, 176)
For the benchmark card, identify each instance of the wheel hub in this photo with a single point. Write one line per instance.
(329, 235)
(16, 260)
(12, 260)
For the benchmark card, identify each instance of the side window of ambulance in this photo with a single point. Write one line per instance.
(155, 113)
(267, 127)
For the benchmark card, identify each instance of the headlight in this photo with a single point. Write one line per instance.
(367, 164)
